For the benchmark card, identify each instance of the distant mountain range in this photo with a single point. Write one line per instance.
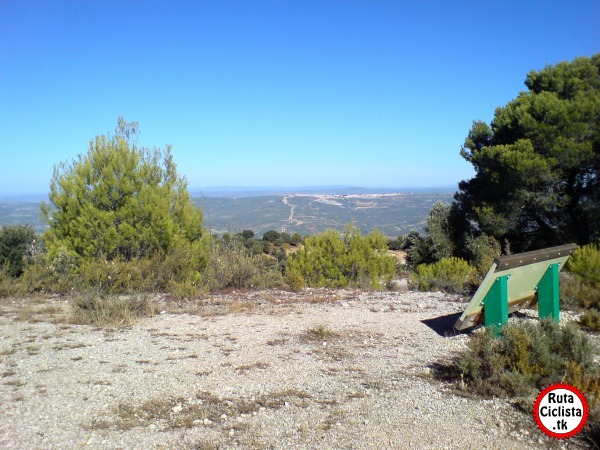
(254, 191)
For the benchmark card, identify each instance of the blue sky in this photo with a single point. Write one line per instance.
(273, 93)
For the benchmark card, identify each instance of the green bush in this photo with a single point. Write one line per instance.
(15, 244)
(294, 280)
(448, 275)
(331, 259)
(525, 358)
(419, 250)
(590, 319)
(481, 251)
(584, 264)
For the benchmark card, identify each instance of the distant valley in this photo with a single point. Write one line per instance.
(393, 214)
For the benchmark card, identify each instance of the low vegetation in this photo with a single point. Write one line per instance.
(527, 357)
(332, 259)
(447, 275)
(232, 265)
(103, 311)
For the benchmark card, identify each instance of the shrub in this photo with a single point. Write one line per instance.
(9, 286)
(15, 242)
(333, 260)
(569, 288)
(295, 280)
(438, 228)
(51, 274)
(527, 357)
(177, 272)
(231, 265)
(101, 311)
(272, 236)
(481, 252)
(584, 264)
(397, 244)
(580, 286)
(448, 275)
(419, 250)
(590, 319)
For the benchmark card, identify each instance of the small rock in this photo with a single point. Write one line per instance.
(163, 312)
(177, 408)
(231, 432)
(207, 421)
(224, 417)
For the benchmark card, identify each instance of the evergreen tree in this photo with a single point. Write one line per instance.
(537, 164)
(120, 201)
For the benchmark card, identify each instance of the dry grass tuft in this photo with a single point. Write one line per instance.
(256, 365)
(320, 332)
(205, 409)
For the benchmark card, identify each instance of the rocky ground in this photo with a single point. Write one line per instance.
(270, 369)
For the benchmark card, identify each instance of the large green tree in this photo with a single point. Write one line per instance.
(120, 201)
(536, 165)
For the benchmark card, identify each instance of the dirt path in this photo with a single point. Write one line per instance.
(319, 369)
(291, 219)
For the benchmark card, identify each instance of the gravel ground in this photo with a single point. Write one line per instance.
(270, 369)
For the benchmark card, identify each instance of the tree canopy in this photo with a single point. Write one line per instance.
(536, 165)
(120, 201)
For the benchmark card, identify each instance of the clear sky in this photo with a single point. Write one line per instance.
(367, 93)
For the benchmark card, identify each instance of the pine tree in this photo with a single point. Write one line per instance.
(119, 201)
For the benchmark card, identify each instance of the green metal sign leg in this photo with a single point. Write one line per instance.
(495, 304)
(548, 294)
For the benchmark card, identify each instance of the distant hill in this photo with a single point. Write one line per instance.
(304, 212)
(392, 214)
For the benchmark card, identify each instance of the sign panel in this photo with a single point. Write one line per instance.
(522, 274)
